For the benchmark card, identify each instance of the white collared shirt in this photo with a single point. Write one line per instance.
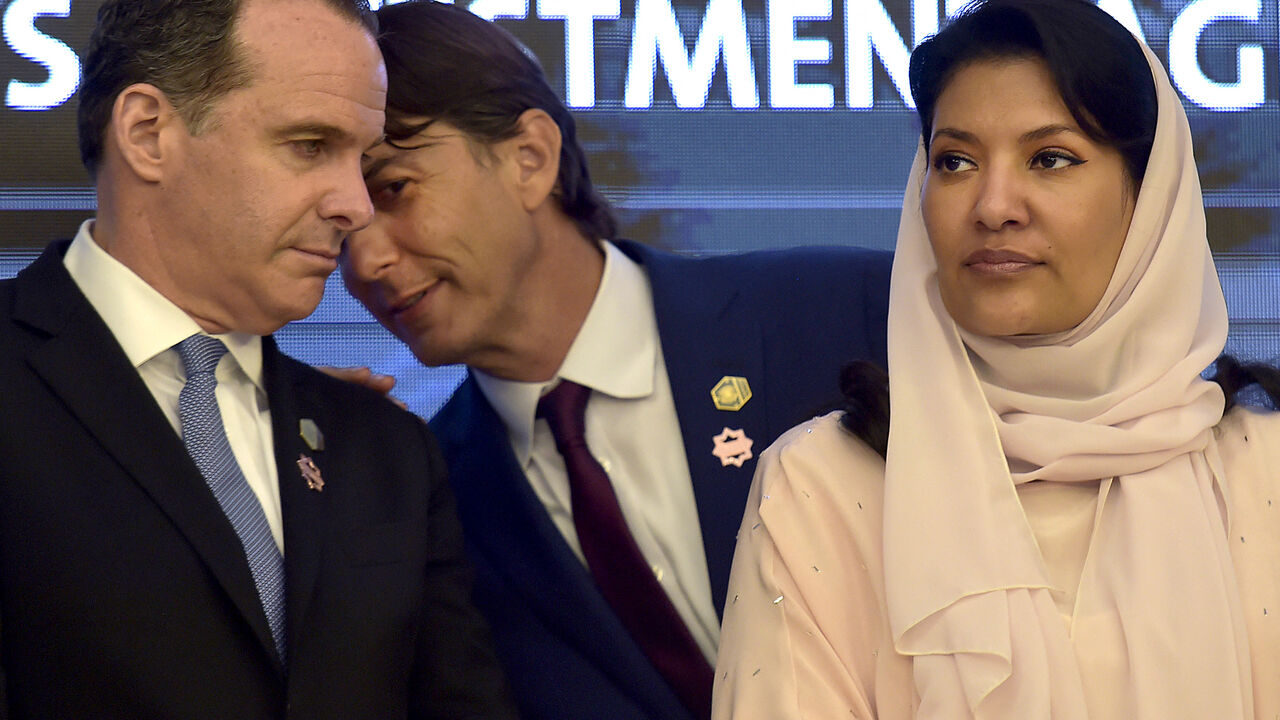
(147, 325)
(632, 431)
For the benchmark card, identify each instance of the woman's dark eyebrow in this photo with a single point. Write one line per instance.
(960, 135)
(1048, 131)
(1039, 133)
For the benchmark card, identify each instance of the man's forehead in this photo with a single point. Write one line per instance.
(306, 8)
(309, 32)
(310, 64)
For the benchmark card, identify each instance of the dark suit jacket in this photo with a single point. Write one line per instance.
(124, 590)
(787, 321)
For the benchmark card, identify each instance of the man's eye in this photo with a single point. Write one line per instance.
(388, 192)
(309, 147)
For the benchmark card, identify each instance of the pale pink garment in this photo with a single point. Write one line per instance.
(1248, 443)
(824, 651)
(1158, 629)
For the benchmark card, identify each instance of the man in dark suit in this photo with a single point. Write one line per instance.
(193, 525)
(602, 572)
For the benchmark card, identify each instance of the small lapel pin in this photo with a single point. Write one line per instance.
(310, 433)
(733, 447)
(310, 473)
(731, 393)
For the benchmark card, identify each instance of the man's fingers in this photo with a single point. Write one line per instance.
(362, 376)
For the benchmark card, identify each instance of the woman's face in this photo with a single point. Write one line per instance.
(1025, 213)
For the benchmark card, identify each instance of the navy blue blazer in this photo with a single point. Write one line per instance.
(787, 321)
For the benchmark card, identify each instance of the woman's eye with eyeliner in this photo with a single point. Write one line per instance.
(1054, 160)
(950, 162)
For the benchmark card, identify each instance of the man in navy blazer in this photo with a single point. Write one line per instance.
(490, 247)
(193, 525)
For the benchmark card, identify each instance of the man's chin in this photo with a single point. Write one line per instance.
(269, 321)
(432, 356)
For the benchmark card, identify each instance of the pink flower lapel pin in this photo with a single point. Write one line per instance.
(310, 473)
(733, 447)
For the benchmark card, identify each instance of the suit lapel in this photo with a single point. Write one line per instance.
(84, 365)
(511, 531)
(302, 509)
(708, 333)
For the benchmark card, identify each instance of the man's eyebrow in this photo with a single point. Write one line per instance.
(312, 129)
(376, 166)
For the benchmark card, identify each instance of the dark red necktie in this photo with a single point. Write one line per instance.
(623, 575)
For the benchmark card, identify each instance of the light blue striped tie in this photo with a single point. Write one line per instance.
(206, 441)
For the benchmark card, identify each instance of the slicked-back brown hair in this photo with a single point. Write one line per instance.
(446, 64)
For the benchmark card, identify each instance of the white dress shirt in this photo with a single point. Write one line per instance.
(632, 431)
(147, 326)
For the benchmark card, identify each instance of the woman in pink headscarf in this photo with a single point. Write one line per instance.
(1060, 523)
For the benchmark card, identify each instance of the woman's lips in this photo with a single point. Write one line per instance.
(999, 262)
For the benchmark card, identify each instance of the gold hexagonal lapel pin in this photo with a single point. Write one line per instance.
(731, 393)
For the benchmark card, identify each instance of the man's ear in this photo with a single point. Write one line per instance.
(141, 120)
(536, 154)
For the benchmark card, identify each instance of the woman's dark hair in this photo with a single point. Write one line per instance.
(446, 64)
(1105, 82)
(865, 387)
(1099, 67)
(1247, 383)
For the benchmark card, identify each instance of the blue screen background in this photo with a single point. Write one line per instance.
(694, 166)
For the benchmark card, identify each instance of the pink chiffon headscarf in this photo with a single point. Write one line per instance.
(1157, 630)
